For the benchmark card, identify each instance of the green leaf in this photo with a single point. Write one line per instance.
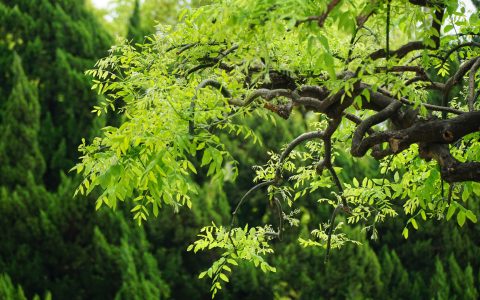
(405, 233)
(424, 216)
(232, 262)
(202, 275)
(447, 28)
(414, 223)
(137, 207)
(155, 209)
(98, 204)
(224, 277)
(355, 182)
(227, 268)
(451, 211)
(471, 216)
(207, 157)
(461, 218)
(323, 40)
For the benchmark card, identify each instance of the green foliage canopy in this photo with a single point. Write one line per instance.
(332, 60)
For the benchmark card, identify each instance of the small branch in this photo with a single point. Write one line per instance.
(201, 85)
(250, 191)
(297, 141)
(426, 105)
(309, 19)
(415, 45)
(450, 192)
(459, 46)
(471, 84)
(401, 69)
(278, 205)
(455, 79)
(278, 175)
(213, 61)
(330, 231)
(320, 19)
(330, 7)
(358, 147)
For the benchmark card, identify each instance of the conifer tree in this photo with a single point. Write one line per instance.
(135, 32)
(439, 287)
(8, 289)
(471, 291)
(19, 125)
(57, 41)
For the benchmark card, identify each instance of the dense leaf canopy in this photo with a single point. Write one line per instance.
(394, 80)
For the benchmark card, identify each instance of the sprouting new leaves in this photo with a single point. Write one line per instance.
(236, 245)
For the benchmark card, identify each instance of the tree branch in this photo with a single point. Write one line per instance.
(471, 85)
(201, 85)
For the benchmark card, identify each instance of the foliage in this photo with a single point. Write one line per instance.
(51, 242)
(117, 16)
(205, 75)
(8, 290)
(55, 53)
(20, 124)
(135, 32)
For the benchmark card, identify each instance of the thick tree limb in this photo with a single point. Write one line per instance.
(261, 93)
(358, 147)
(434, 131)
(456, 78)
(451, 169)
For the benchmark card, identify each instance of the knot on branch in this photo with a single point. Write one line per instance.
(283, 110)
(448, 136)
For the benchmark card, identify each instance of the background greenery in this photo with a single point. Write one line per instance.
(56, 246)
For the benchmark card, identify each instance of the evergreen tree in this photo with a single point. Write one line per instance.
(57, 40)
(394, 276)
(8, 289)
(60, 246)
(471, 290)
(19, 124)
(135, 32)
(439, 285)
(456, 278)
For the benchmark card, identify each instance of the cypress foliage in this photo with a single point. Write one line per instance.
(471, 290)
(19, 124)
(135, 32)
(439, 287)
(57, 41)
(61, 246)
(8, 289)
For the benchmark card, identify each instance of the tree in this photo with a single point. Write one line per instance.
(8, 290)
(57, 41)
(117, 16)
(19, 123)
(439, 287)
(234, 59)
(135, 32)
